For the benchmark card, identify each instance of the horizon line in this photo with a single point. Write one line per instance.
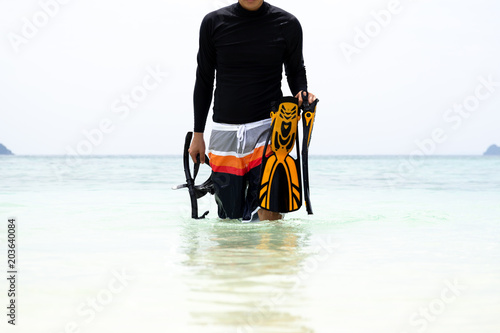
(180, 155)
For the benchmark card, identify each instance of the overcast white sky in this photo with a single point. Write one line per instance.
(69, 74)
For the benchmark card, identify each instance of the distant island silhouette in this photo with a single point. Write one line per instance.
(4, 150)
(492, 150)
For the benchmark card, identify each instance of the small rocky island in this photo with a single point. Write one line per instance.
(4, 150)
(492, 150)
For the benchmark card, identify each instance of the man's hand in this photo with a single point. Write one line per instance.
(197, 147)
(311, 98)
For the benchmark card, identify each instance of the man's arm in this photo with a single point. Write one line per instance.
(203, 89)
(294, 60)
(197, 147)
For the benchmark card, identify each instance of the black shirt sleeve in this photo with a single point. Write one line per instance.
(205, 74)
(294, 61)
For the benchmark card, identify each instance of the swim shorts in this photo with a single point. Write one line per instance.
(235, 153)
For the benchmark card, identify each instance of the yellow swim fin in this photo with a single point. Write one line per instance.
(281, 189)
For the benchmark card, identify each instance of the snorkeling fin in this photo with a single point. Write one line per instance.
(308, 115)
(195, 191)
(280, 188)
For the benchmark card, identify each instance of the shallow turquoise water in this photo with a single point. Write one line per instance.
(393, 246)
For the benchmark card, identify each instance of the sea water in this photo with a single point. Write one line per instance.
(394, 245)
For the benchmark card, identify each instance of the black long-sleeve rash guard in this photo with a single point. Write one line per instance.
(247, 50)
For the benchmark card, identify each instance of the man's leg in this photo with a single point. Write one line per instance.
(266, 215)
(229, 194)
(227, 176)
(252, 200)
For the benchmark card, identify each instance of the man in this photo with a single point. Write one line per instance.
(246, 44)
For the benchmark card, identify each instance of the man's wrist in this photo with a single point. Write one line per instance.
(198, 136)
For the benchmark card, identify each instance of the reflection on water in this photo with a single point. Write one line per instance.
(245, 277)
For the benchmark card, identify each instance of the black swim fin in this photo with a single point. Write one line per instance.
(195, 191)
(308, 116)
